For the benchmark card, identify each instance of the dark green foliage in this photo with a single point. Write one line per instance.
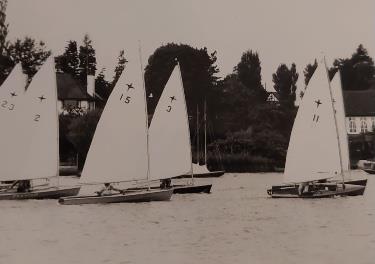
(81, 131)
(357, 72)
(31, 53)
(249, 73)
(285, 81)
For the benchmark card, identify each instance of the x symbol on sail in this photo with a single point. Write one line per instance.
(318, 102)
(130, 86)
(13, 94)
(172, 98)
(41, 98)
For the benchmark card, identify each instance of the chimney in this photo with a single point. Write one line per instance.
(91, 85)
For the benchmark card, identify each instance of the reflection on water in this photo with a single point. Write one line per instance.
(237, 223)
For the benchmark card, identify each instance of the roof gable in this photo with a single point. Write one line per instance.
(70, 89)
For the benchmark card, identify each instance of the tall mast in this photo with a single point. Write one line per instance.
(57, 120)
(205, 132)
(335, 118)
(197, 134)
(145, 99)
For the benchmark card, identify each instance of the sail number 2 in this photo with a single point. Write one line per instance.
(125, 99)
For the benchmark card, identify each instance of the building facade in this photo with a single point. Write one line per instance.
(73, 97)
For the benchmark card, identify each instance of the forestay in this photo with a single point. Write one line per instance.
(118, 151)
(33, 140)
(313, 152)
(169, 135)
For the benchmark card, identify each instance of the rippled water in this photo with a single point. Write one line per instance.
(237, 223)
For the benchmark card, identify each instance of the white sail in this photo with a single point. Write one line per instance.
(169, 135)
(118, 151)
(200, 169)
(33, 149)
(313, 148)
(11, 90)
(340, 117)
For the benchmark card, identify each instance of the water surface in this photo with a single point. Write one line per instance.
(236, 223)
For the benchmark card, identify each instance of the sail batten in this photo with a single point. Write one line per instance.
(169, 134)
(313, 152)
(118, 152)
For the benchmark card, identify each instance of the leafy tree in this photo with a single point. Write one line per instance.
(87, 59)
(121, 62)
(198, 74)
(30, 53)
(102, 88)
(285, 81)
(81, 131)
(358, 71)
(6, 64)
(69, 61)
(309, 71)
(3, 25)
(249, 73)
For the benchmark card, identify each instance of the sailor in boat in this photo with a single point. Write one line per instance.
(165, 183)
(108, 189)
(22, 186)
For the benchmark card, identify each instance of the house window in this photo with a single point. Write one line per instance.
(363, 125)
(352, 126)
(70, 104)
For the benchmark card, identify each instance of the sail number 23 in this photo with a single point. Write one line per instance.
(4, 104)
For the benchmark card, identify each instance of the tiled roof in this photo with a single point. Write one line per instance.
(360, 103)
(70, 89)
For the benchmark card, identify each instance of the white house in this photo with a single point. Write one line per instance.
(360, 111)
(73, 96)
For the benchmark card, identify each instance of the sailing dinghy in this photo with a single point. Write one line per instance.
(31, 139)
(314, 154)
(119, 149)
(169, 134)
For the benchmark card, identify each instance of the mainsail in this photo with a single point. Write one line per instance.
(118, 151)
(313, 152)
(33, 140)
(169, 135)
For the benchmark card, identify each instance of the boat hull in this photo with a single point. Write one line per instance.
(192, 188)
(324, 191)
(47, 193)
(211, 174)
(134, 197)
(369, 171)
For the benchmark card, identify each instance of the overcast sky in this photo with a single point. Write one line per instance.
(282, 31)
